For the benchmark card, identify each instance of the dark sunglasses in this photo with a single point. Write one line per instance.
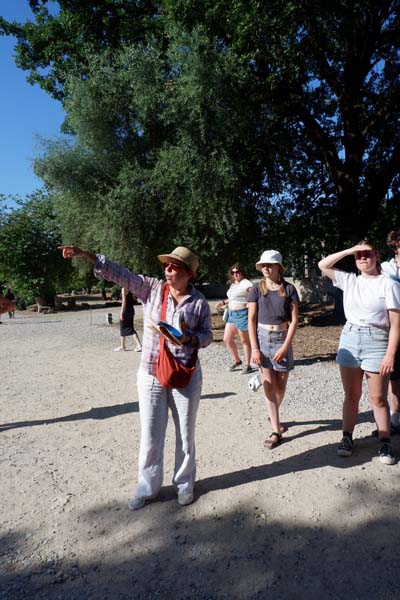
(175, 266)
(235, 272)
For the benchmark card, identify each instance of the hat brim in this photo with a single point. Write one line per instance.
(271, 262)
(164, 258)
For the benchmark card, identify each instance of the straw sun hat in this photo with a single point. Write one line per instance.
(184, 255)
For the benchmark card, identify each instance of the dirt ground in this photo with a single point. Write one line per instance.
(297, 522)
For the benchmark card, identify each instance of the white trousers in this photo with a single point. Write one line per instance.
(154, 401)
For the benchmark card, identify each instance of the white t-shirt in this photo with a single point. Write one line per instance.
(391, 269)
(238, 291)
(366, 300)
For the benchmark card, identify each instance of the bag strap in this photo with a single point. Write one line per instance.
(164, 302)
(163, 315)
(163, 347)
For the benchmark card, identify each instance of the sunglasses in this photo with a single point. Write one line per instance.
(175, 266)
(235, 272)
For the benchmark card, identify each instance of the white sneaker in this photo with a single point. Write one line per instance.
(138, 349)
(119, 349)
(185, 498)
(386, 455)
(136, 503)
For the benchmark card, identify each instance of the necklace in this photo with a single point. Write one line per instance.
(272, 286)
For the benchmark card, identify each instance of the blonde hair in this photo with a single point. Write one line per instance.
(282, 283)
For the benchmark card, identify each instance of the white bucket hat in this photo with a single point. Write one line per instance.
(270, 257)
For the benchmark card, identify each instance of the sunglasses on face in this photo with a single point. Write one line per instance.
(175, 266)
(235, 272)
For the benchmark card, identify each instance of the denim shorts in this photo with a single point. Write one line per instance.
(239, 318)
(269, 342)
(362, 347)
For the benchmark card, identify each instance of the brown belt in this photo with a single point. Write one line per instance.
(280, 327)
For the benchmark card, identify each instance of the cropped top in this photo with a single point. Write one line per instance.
(274, 309)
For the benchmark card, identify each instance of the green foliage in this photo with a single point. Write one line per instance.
(156, 161)
(329, 73)
(57, 44)
(29, 259)
(226, 125)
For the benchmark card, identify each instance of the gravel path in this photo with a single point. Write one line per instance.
(297, 522)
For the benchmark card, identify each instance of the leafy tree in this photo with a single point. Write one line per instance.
(162, 155)
(283, 116)
(29, 259)
(329, 73)
(61, 40)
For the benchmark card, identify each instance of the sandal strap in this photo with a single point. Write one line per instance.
(278, 435)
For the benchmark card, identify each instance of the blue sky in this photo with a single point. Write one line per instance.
(26, 112)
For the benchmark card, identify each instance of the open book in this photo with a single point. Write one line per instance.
(170, 333)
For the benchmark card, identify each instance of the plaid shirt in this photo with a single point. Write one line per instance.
(192, 315)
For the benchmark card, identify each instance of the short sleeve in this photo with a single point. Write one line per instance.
(342, 279)
(253, 294)
(292, 294)
(392, 295)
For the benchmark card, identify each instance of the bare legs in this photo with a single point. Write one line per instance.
(352, 386)
(138, 343)
(122, 345)
(394, 400)
(274, 384)
(229, 340)
(245, 340)
(377, 390)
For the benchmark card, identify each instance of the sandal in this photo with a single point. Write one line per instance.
(271, 443)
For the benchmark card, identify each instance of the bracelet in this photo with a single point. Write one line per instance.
(255, 350)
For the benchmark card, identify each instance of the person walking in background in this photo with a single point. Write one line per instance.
(6, 305)
(126, 326)
(273, 319)
(184, 307)
(391, 268)
(368, 341)
(10, 296)
(237, 321)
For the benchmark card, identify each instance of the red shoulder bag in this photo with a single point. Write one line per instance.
(170, 372)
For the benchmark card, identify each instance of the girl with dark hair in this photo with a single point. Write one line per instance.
(237, 320)
(273, 319)
(368, 341)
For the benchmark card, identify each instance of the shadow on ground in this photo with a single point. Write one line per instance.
(235, 555)
(101, 412)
